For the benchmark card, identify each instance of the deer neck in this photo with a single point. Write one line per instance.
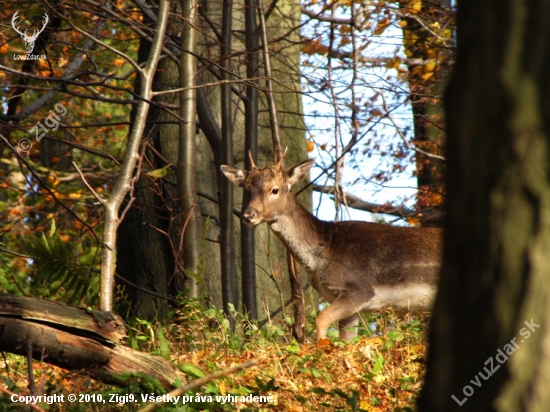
(301, 232)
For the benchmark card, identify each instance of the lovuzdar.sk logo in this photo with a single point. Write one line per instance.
(29, 36)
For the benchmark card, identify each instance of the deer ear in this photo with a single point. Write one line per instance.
(299, 172)
(237, 176)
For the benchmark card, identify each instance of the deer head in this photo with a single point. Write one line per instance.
(29, 40)
(267, 188)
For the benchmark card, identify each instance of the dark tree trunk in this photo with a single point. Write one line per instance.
(427, 84)
(230, 284)
(144, 254)
(248, 238)
(490, 328)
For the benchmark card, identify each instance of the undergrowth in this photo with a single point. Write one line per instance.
(381, 370)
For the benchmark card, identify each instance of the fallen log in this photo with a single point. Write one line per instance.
(74, 338)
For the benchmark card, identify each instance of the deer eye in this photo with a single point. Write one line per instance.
(275, 191)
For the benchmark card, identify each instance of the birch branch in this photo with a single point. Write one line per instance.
(125, 182)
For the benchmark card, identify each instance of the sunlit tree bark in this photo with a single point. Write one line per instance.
(187, 185)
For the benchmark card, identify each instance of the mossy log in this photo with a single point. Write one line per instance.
(75, 338)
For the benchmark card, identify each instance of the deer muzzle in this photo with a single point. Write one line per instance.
(249, 216)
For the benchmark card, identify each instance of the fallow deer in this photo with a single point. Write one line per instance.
(355, 266)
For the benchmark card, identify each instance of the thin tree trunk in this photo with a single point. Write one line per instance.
(298, 329)
(248, 245)
(186, 151)
(145, 255)
(230, 289)
(297, 293)
(273, 118)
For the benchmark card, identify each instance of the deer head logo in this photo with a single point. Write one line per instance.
(29, 40)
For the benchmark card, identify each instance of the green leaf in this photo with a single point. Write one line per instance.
(11, 386)
(240, 391)
(341, 393)
(52, 229)
(211, 388)
(316, 372)
(192, 370)
(395, 336)
(293, 348)
(164, 347)
(158, 173)
(193, 275)
(378, 365)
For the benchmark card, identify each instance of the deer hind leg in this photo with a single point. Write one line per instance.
(348, 327)
(342, 310)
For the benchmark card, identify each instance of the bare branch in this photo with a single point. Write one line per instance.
(247, 82)
(99, 198)
(403, 137)
(103, 44)
(45, 186)
(386, 209)
(277, 149)
(329, 19)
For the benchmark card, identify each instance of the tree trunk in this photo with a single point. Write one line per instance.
(491, 325)
(150, 234)
(428, 61)
(270, 254)
(248, 238)
(230, 288)
(187, 185)
(145, 255)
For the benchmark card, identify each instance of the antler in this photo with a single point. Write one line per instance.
(14, 22)
(252, 160)
(45, 23)
(36, 33)
(280, 163)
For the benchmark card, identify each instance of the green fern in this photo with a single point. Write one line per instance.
(164, 345)
(57, 276)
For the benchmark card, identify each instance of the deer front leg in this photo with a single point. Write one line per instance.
(342, 310)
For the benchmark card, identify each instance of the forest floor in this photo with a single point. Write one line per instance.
(381, 370)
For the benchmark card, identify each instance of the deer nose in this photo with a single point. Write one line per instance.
(249, 214)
